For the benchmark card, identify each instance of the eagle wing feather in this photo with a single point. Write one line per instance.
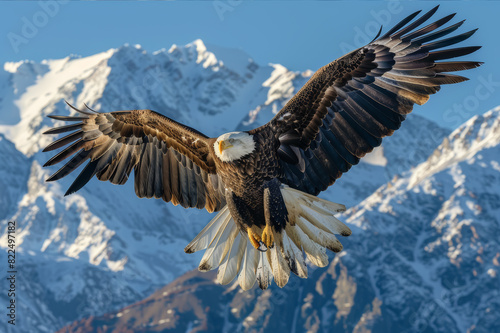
(170, 160)
(348, 106)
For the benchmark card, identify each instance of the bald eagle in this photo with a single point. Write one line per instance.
(264, 182)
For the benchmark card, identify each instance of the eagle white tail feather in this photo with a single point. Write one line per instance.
(207, 234)
(231, 264)
(279, 266)
(264, 272)
(296, 262)
(310, 230)
(213, 255)
(249, 264)
(314, 252)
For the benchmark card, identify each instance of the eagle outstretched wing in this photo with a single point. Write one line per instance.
(171, 161)
(349, 105)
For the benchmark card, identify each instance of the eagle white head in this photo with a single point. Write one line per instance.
(233, 146)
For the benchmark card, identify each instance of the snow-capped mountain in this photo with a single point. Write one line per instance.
(424, 256)
(103, 248)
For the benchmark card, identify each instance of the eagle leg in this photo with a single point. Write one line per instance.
(275, 213)
(267, 236)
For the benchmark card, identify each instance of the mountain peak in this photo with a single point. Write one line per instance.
(199, 44)
(480, 130)
(478, 133)
(12, 67)
(208, 59)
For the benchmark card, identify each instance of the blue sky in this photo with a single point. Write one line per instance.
(299, 35)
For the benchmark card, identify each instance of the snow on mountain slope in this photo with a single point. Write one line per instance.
(423, 257)
(12, 184)
(480, 132)
(55, 83)
(14, 81)
(104, 232)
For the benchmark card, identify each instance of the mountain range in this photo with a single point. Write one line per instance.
(424, 211)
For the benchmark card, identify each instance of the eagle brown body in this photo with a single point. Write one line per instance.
(264, 182)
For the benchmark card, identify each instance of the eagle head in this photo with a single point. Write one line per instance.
(232, 146)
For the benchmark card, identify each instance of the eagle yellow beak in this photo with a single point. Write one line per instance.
(223, 145)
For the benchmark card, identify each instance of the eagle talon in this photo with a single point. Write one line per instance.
(254, 238)
(267, 237)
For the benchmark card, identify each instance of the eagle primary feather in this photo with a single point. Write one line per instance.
(265, 181)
